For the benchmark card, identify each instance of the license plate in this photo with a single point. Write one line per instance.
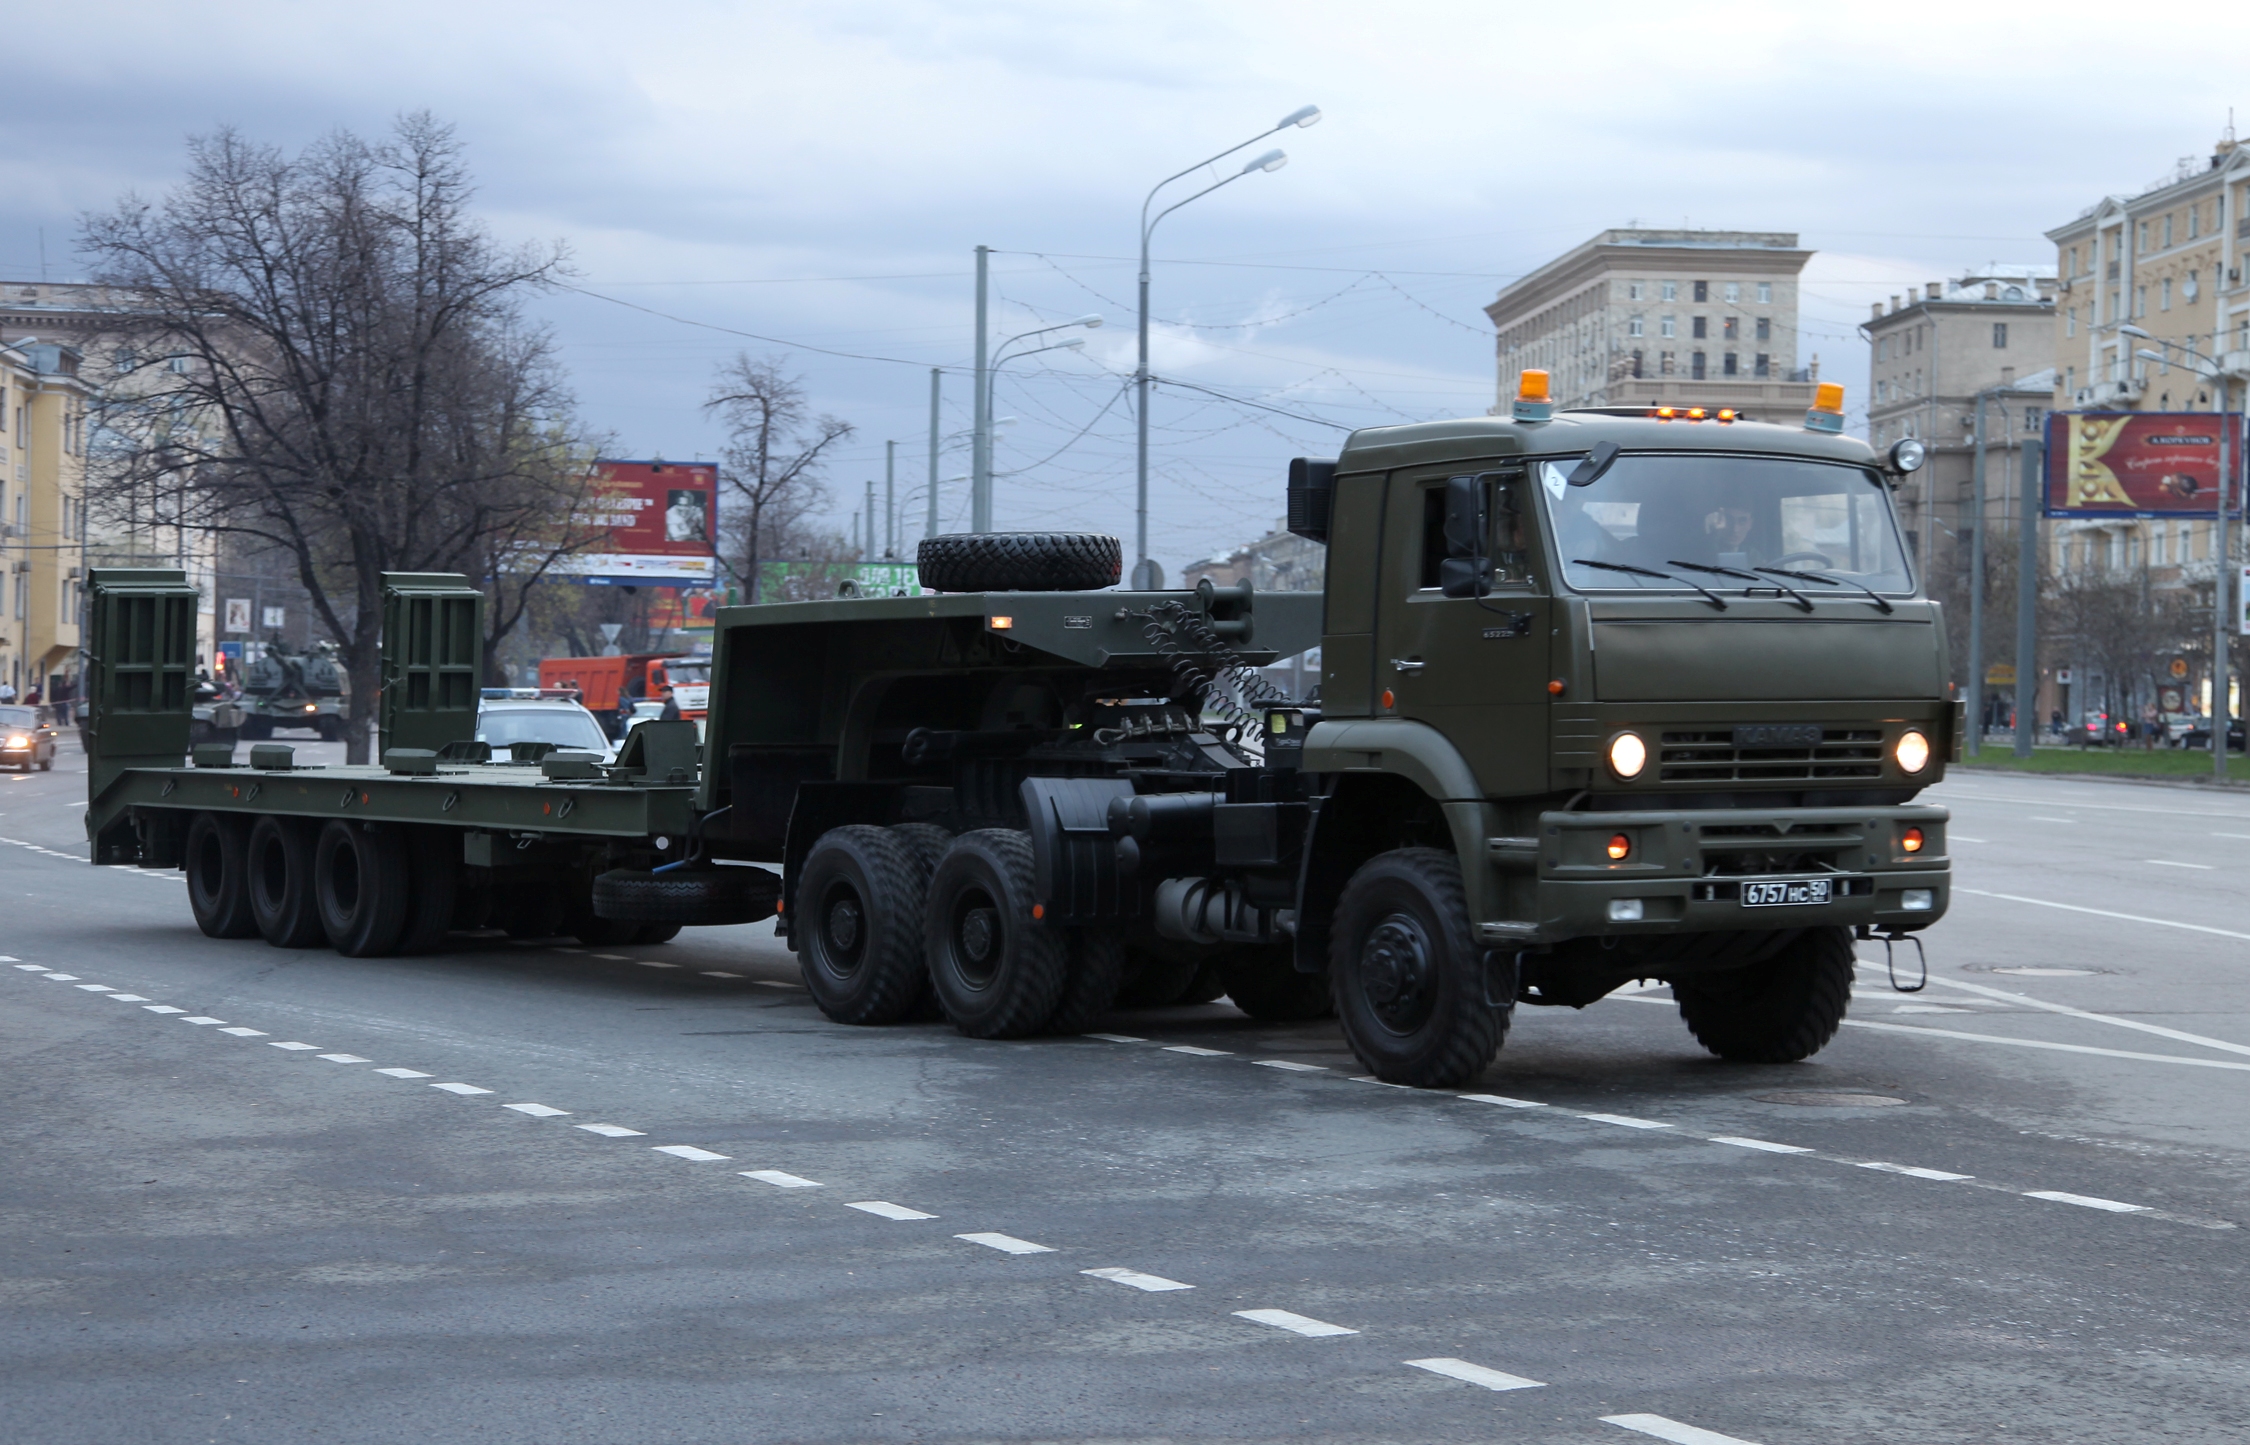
(1783, 891)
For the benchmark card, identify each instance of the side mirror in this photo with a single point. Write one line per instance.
(1464, 516)
(1465, 577)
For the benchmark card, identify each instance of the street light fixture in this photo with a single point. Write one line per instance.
(980, 451)
(1143, 575)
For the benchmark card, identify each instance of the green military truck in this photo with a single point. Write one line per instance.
(1605, 696)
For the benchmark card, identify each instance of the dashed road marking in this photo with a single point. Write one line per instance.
(1006, 1243)
(1766, 1144)
(163, 1008)
(63, 977)
(1118, 1038)
(32, 967)
(538, 1111)
(2087, 1201)
(652, 963)
(94, 987)
(1623, 1122)
(200, 1019)
(612, 1131)
(687, 1151)
(1198, 1050)
(1913, 1172)
(126, 997)
(776, 983)
(1476, 1374)
(1504, 1101)
(292, 1046)
(1379, 1083)
(1673, 1430)
(242, 1033)
(403, 1073)
(1296, 1324)
(779, 1180)
(719, 973)
(345, 1059)
(617, 957)
(1294, 1068)
(2168, 863)
(461, 1088)
(2048, 1044)
(1153, 1283)
(888, 1210)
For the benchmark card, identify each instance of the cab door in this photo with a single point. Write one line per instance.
(1476, 669)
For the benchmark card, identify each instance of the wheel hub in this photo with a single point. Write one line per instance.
(844, 923)
(1395, 972)
(980, 929)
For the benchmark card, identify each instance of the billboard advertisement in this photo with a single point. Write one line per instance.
(2138, 464)
(659, 522)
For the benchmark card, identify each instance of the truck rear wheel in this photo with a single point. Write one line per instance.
(216, 856)
(999, 971)
(1407, 975)
(858, 924)
(1264, 983)
(1095, 966)
(1019, 561)
(281, 882)
(1783, 1008)
(434, 874)
(360, 874)
(927, 842)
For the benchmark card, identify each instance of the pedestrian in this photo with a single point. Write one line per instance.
(7, 692)
(31, 698)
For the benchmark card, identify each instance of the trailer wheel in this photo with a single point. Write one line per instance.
(999, 971)
(360, 876)
(1407, 975)
(1096, 968)
(217, 874)
(1264, 983)
(1208, 982)
(1019, 561)
(434, 870)
(858, 924)
(281, 882)
(1781, 1009)
(688, 896)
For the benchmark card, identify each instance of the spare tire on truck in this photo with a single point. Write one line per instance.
(1019, 562)
(687, 895)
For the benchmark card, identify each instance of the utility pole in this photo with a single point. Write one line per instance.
(1976, 587)
(2222, 563)
(980, 451)
(868, 553)
(929, 528)
(2027, 594)
(890, 501)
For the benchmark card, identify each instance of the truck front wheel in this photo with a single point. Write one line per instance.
(1408, 977)
(999, 971)
(1783, 1008)
(859, 924)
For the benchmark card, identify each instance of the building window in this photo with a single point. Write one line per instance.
(1728, 366)
(2164, 294)
(1701, 326)
(1635, 290)
(1999, 336)
(1636, 364)
(1696, 365)
(1765, 293)
(1668, 327)
(2140, 301)
(177, 364)
(1764, 365)
(2070, 379)
(1765, 328)
(1671, 291)
(2032, 417)
(2195, 220)
(1882, 390)
(2167, 228)
(2073, 268)
(1731, 328)
(1634, 327)
(2144, 236)
(1734, 291)
(2190, 287)
(2070, 322)
(1702, 290)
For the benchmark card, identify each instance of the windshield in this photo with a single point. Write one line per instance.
(568, 726)
(1682, 515)
(688, 671)
(18, 717)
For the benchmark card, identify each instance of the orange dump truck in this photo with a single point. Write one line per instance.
(603, 684)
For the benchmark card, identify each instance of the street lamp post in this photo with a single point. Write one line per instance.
(980, 446)
(1271, 161)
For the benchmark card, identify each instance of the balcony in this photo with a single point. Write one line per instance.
(2110, 394)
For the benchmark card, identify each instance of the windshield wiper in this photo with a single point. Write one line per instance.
(1802, 600)
(1712, 597)
(1872, 595)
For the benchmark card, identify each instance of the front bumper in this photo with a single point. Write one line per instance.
(1683, 871)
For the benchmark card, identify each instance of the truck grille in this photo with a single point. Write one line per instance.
(1712, 757)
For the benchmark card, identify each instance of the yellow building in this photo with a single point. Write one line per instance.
(42, 516)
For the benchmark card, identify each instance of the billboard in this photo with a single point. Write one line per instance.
(2138, 464)
(660, 521)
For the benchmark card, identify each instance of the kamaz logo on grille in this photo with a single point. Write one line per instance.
(1777, 735)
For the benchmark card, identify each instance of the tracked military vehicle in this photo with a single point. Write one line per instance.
(290, 689)
(1604, 696)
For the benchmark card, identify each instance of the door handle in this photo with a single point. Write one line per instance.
(1408, 664)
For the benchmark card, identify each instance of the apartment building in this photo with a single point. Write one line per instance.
(1632, 317)
(42, 516)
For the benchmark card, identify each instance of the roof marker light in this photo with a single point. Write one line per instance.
(1827, 412)
(1532, 403)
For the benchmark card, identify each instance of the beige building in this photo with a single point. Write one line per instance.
(1692, 318)
(42, 535)
(1932, 356)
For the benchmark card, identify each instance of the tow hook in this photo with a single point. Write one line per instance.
(1890, 961)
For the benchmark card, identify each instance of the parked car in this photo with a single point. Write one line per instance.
(26, 737)
(2198, 737)
(503, 722)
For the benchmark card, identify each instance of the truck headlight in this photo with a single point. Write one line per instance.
(1627, 755)
(1912, 751)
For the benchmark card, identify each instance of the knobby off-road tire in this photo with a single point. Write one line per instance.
(1158, 976)
(858, 924)
(1094, 966)
(1408, 976)
(433, 888)
(217, 863)
(1264, 983)
(1781, 1009)
(361, 875)
(1019, 561)
(281, 882)
(998, 971)
(927, 842)
(688, 896)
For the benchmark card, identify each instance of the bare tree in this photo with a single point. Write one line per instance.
(773, 459)
(336, 367)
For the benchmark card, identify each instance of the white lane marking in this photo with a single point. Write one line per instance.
(1296, 1324)
(243, 1033)
(293, 1047)
(780, 1180)
(888, 1210)
(200, 1019)
(1929, 1008)
(1673, 1430)
(772, 983)
(538, 1111)
(2231, 835)
(1621, 1120)
(163, 1008)
(31, 967)
(1118, 1038)
(1476, 1374)
(686, 1151)
(1293, 1068)
(403, 1073)
(1504, 1101)
(2168, 863)
(1199, 1052)
(461, 1088)
(1382, 1083)
(612, 1131)
(126, 997)
(346, 1059)
(1964, 838)
(2107, 913)
(1915, 1172)
(92, 987)
(652, 963)
(64, 977)
(2086, 1201)
(719, 973)
(2036, 818)
(619, 958)
(1133, 1277)
(2046, 1044)
(1766, 1144)
(1006, 1243)
(2005, 996)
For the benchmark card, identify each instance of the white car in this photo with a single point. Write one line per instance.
(506, 721)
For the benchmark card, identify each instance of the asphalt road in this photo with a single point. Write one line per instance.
(649, 1194)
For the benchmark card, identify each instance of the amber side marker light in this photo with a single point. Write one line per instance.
(1619, 847)
(1389, 700)
(1001, 624)
(1911, 840)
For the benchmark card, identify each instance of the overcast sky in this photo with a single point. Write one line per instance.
(818, 174)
